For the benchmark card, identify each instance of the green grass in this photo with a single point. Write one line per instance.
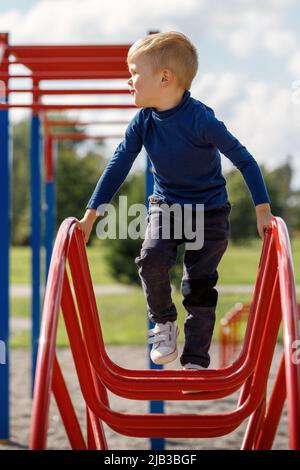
(21, 269)
(238, 266)
(20, 307)
(240, 262)
(123, 318)
(20, 265)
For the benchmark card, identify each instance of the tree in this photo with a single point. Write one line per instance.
(243, 216)
(76, 179)
(20, 183)
(121, 253)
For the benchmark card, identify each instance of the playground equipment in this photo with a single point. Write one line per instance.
(50, 139)
(46, 64)
(274, 303)
(231, 332)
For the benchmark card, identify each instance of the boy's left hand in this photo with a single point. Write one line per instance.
(264, 217)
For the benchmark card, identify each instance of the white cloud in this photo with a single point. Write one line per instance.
(261, 115)
(294, 65)
(221, 90)
(93, 21)
(9, 20)
(255, 25)
(280, 43)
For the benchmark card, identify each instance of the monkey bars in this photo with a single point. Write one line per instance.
(44, 63)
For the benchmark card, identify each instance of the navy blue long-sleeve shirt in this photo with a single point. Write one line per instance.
(183, 144)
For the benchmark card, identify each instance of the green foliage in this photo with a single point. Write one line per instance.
(20, 183)
(243, 216)
(121, 253)
(76, 179)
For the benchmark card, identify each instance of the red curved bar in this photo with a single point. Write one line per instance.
(274, 301)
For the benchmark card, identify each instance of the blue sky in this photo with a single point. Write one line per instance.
(23, 5)
(249, 54)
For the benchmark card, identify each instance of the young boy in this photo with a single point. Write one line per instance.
(182, 137)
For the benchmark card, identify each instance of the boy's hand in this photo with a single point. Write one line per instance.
(264, 217)
(87, 222)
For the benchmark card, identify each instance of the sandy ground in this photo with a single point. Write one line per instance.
(133, 357)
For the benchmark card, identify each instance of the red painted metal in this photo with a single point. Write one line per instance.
(62, 62)
(72, 58)
(73, 123)
(3, 60)
(273, 302)
(55, 107)
(51, 136)
(48, 156)
(80, 136)
(76, 75)
(71, 91)
(230, 332)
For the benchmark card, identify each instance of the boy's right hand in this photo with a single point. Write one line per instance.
(87, 222)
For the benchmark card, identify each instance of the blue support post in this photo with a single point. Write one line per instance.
(4, 249)
(35, 191)
(155, 406)
(4, 273)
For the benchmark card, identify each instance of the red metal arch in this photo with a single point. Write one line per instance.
(274, 301)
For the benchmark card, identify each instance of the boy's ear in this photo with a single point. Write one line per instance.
(167, 77)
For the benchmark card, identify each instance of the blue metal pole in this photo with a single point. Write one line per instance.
(4, 249)
(35, 191)
(156, 406)
(4, 273)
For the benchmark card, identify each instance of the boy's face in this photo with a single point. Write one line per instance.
(145, 85)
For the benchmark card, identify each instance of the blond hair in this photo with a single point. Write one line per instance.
(170, 50)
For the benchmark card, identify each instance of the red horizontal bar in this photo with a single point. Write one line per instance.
(74, 75)
(106, 50)
(66, 106)
(74, 136)
(61, 123)
(76, 91)
(64, 59)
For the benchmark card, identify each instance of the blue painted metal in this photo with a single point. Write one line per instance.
(4, 273)
(35, 191)
(155, 406)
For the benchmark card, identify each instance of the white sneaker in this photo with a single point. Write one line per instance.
(191, 366)
(163, 337)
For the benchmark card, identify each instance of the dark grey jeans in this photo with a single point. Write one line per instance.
(200, 276)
